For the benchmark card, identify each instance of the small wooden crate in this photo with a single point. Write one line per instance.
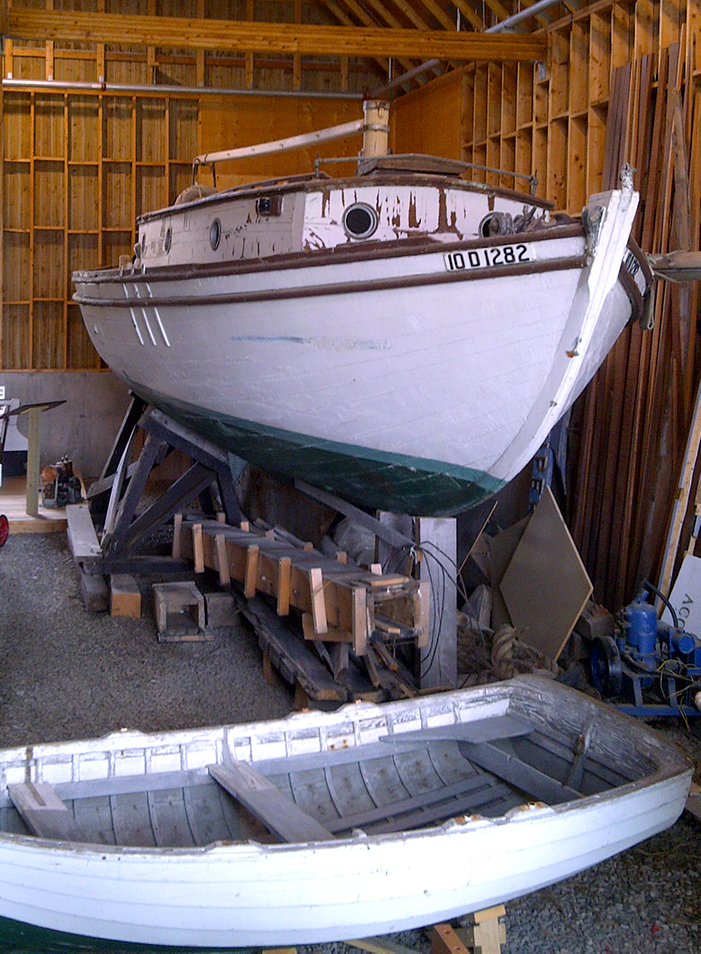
(180, 612)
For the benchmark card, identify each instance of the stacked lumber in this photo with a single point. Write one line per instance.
(343, 608)
(631, 424)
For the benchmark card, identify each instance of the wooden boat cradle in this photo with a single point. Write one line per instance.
(484, 768)
(340, 603)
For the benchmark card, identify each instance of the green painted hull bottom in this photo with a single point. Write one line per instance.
(369, 478)
(18, 938)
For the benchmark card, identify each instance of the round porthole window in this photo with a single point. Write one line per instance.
(496, 223)
(360, 221)
(215, 234)
(168, 241)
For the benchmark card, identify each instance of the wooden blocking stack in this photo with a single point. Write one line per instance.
(339, 603)
(125, 596)
(180, 612)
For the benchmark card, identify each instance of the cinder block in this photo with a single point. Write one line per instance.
(180, 612)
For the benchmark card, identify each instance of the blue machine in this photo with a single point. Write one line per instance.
(655, 667)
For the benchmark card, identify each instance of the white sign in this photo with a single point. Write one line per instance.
(686, 597)
(489, 257)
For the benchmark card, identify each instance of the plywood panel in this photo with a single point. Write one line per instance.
(16, 273)
(546, 586)
(182, 129)
(151, 144)
(430, 123)
(525, 92)
(579, 68)
(84, 128)
(68, 69)
(48, 193)
(117, 133)
(115, 244)
(15, 337)
(17, 209)
(17, 130)
(232, 121)
(127, 72)
(577, 163)
(47, 335)
(599, 58)
(150, 188)
(48, 267)
(31, 67)
(83, 253)
(179, 178)
(117, 195)
(524, 151)
(49, 139)
(83, 197)
(80, 353)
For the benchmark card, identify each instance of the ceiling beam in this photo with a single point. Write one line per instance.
(178, 32)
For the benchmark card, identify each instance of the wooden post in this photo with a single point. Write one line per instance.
(33, 464)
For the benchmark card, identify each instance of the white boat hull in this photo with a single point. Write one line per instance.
(249, 894)
(420, 380)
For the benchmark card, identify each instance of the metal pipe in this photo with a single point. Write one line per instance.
(405, 77)
(524, 14)
(156, 90)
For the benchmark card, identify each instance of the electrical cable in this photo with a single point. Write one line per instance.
(647, 585)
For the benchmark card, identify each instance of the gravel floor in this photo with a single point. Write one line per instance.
(67, 674)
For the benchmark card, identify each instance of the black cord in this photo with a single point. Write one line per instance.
(653, 589)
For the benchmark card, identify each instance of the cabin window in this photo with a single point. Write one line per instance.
(168, 241)
(269, 205)
(360, 221)
(215, 234)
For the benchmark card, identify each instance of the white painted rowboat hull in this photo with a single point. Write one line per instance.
(229, 894)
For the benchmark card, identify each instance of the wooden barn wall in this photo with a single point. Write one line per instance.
(623, 85)
(79, 165)
(428, 120)
(237, 121)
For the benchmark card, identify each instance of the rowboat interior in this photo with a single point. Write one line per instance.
(401, 780)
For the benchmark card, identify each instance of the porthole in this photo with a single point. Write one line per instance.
(168, 241)
(215, 234)
(496, 223)
(360, 221)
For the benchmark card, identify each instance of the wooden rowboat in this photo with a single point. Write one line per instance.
(325, 826)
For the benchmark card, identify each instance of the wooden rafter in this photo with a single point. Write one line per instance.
(419, 22)
(498, 9)
(365, 19)
(469, 14)
(345, 20)
(170, 32)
